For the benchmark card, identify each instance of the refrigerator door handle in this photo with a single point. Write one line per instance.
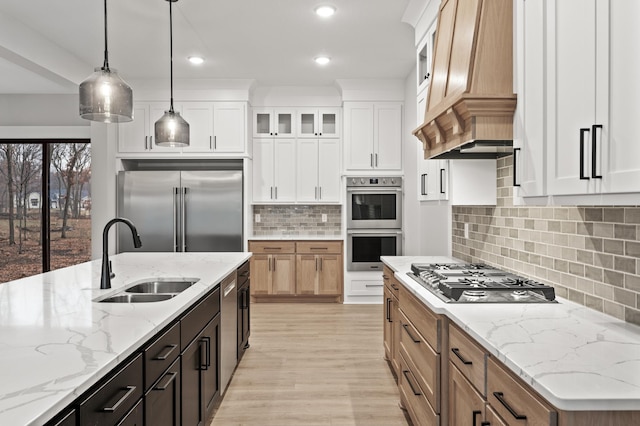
(184, 219)
(175, 219)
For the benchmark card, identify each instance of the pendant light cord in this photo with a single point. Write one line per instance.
(105, 66)
(171, 51)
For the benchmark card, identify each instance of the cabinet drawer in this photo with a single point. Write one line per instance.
(366, 288)
(159, 355)
(272, 246)
(423, 360)
(469, 357)
(510, 398)
(420, 411)
(113, 399)
(319, 247)
(243, 273)
(427, 323)
(390, 280)
(198, 317)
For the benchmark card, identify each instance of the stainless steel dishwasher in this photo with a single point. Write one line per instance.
(229, 329)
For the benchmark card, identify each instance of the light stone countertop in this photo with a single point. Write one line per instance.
(575, 357)
(295, 237)
(56, 342)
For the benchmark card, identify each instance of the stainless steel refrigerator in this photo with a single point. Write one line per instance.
(182, 210)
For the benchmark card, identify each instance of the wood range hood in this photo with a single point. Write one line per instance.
(470, 105)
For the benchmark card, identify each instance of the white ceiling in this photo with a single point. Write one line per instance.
(51, 46)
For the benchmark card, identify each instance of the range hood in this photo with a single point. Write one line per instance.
(470, 105)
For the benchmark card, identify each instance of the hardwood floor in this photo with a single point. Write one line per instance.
(313, 364)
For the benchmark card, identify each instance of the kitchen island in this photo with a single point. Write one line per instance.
(575, 358)
(56, 342)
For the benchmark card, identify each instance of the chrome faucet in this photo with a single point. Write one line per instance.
(107, 273)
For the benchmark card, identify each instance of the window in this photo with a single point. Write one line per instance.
(45, 206)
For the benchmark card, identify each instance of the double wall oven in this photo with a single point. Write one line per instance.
(374, 221)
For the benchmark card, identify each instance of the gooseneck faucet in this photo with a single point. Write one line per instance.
(107, 274)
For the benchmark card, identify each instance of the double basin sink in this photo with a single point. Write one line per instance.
(152, 290)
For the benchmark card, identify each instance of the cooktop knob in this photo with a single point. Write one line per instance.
(393, 181)
(353, 181)
(362, 181)
(384, 181)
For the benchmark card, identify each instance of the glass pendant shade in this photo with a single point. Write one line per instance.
(172, 130)
(105, 97)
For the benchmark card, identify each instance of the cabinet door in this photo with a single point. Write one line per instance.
(330, 274)
(358, 136)
(306, 274)
(263, 169)
(262, 123)
(396, 329)
(387, 322)
(571, 102)
(284, 123)
(307, 170)
(433, 180)
(329, 123)
(229, 127)
(133, 137)
(162, 402)
(329, 170)
(210, 378)
(284, 274)
(465, 404)
(135, 417)
(387, 137)
(620, 151)
(307, 123)
(260, 274)
(284, 181)
(529, 130)
(199, 115)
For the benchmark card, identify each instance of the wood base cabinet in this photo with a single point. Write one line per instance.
(296, 271)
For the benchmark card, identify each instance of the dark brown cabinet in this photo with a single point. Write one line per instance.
(244, 293)
(134, 417)
(111, 401)
(201, 374)
(162, 401)
(68, 418)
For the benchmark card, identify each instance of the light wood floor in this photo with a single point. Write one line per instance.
(313, 364)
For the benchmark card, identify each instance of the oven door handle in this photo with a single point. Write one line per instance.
(373, 232)
(379, 190)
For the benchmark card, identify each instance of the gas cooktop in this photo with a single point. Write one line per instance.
(479, 283)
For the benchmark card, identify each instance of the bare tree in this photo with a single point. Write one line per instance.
(66, 159)
(7, 151)
(27, 167)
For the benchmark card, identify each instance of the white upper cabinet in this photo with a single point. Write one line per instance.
(274, 171)
(578, 96)
(424, 60)
(273, 122)
(214, 127)
(138, 136)
(318, 171)
(373, 135)
(318, 123)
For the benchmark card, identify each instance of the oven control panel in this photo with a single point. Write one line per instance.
(387, 181)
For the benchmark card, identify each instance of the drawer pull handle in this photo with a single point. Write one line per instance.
(374, 285)
(476, 414)
(456, 352)
(406, 328)
(164, 356)
(413, 389)
(114, 407)
(384, 277)
(389, 310)
(393, 286)
(500, 397)
(318, 248)
(168, 382)
(273, 248)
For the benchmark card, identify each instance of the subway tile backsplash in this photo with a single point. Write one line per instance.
(293, 220)
(590, 254)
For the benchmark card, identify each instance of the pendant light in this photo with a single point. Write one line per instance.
(104, 96)
(171, 130)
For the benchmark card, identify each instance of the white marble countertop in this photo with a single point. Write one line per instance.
(575, 357)
(296, 237)
(56, 342)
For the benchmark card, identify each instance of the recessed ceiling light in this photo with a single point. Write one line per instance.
(196, 60)
(322, 60)
(325, 11)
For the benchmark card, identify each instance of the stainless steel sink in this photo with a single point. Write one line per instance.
(159, 286)
(136, 298)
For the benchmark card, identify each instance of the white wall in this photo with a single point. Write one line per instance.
(40, 110)
(427, 225)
